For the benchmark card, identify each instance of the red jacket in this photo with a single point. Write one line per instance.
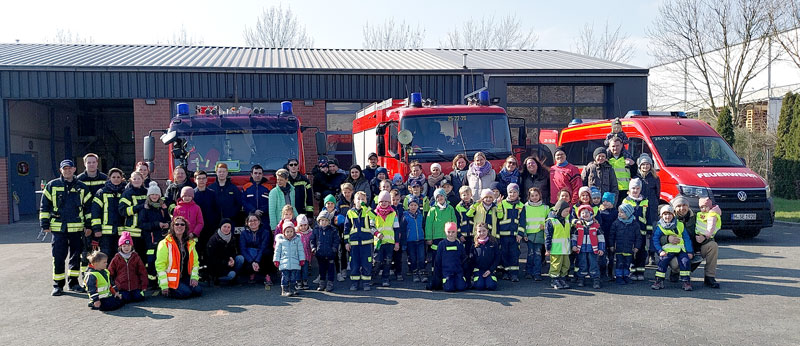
(191, 211)
(565, 177)
(128, 275)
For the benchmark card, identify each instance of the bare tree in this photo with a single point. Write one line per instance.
(182, 38)
(391, 35)
(486, 33)
(719, 46)
(610, 44)
(66, 36)
(277, 27)
(784, 18)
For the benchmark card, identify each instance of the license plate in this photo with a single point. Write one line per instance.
(750, 216)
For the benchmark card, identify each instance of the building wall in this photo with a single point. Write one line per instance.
(30, 133)
(5, 217)
(313, 116)
(148, 117)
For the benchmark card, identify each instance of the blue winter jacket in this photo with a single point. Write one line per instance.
(486, 256)
(657, 233)
(450, 257)
(256, 196)
(288, 252)
(252, 245)
(413, 226)
(606, 218)
(624, 237)
(229, 198)
(325, 241)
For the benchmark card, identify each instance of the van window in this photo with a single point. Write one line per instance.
(638, 146)
(580, 153)
(695, 151)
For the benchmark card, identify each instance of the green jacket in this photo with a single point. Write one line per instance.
(434, 224)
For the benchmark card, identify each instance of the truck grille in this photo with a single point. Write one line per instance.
(730, 198)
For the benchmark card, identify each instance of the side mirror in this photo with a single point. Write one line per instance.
(149, 148)
(381, 144)
(523, 137)
(322, 143)
(743, 160)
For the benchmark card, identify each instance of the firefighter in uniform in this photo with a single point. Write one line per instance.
(94, 180)
(358, 240)
(106, 219)
(511, 230)
(64, 212)
(303, 196)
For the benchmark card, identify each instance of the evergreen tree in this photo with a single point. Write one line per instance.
(725, 126)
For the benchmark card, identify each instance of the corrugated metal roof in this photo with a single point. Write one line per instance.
(161, 57)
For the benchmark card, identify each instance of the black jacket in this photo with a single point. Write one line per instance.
(105, 209)
(303, 194)
(229, 198)
(93, 184)
(65, 203)
(149, 219)
(173, 193)
(219, 253)
(541, 180)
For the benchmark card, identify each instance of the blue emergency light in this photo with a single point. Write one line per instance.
(183, 109)
(483, 97)
(416, 99)
(655, 114)
(286, 107)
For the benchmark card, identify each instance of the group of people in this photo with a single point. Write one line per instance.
(450, 231)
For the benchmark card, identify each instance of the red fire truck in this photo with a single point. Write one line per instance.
(413, 129)
(239, 137)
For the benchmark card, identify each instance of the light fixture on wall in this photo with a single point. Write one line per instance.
(308, 103)
(150, 101)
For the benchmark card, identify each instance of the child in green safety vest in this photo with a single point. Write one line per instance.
(535, 216)
(558, 232)
(640, 205)
(668, 225)
(99, 285)
(387, 235)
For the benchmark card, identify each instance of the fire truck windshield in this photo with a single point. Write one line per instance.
(440, 137)
(271, 150)
(695, 151)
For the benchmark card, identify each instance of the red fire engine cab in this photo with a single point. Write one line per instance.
(401, 131)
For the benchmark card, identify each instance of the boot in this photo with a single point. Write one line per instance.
(555, 284)
(285, 292)
(423, 277)
(596, 284)
(687, 286)
(329, 287)
(564, 283)
(711, 282)
(400, 277)
(354, 287)
(340, 276)
(580, 282)
(57, 291)
(322, 285)
(385, 283)
(415, 277)
(293, 289)
(77, 288)
(514, 278)
(367, 286)
(658, 285)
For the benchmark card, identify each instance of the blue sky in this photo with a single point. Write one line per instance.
(332, 24)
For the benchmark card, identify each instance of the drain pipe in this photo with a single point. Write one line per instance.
(463, 78)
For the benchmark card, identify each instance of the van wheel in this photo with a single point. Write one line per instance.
(747, 233)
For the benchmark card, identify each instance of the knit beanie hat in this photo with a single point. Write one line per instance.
(560, 206)
(644, 158)
(486, 192)
(187, 191)
(439, 191)
(384, 196)
(436, 165)
(125, 238)
(635, 182)
(302, 219)
(512, 187)
(412, 199)
(666, 208)
(380, 170)
(584, 189)
(610, 197)
(329, 198)
(494, 186)
(679, 200)
(224, 221)
(627, 209)
(153, 189)
(450, 226)
(287, 224)
(595, 192)
(598, 151)
(324, 214)
(705, 201)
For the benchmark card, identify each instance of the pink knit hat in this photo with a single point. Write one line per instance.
(450, 226)
(705, 201)
(384, 196)
(187, 191)
(125, 238)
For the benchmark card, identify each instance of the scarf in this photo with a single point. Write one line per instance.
(483, 241)
(109, 187)
(420, 179)
(509, 177)
(383, 212)
(226, 238)
(442, 206)
(480, 171)
(287, 198)
(532, 204)
(126, 256)
(666, 225)
(487, 207)
(636, 198)
(563, 164)
(627, 221)
(434, 181)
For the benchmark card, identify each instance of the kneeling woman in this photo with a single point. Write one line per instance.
(177, 262)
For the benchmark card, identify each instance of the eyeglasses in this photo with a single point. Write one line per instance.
(293, 164)
(180, 224)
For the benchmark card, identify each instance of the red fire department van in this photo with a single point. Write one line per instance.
(691, 159)
(400, 131)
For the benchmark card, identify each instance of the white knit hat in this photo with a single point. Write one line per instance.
(153, 189)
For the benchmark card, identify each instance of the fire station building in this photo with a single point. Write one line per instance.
(63, 100)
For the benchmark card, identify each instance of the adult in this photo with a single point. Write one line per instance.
(229, 197)
(180, 178)
(359, 182)
(130, 204)
(154, 221)
(535, 174)
(62, 212)
(255, 196)
(206, 199)
(177, 263)
(91, 176)
(600, 174)
(435, 179)
(509, 174)
(304, 197)
(281, 195)
(564, 175)
(106, 219)
(319, 185)
(458, 176)
(480, 175)
(709, 249)
(335, 177)
(222, 254)
(255, 245)
(144, 169)
(622, 167)
(372, 166)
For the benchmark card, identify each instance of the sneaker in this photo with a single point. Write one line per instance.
(528, 276)
(416, 278)
(556, 284)
(640, 277)
(658, 285)
(322, 284)
(537, 278)
(596, 284)
(305, 284)
(687, 286)
(710, 282)
(400, 277)
(385, 283)
(340, 277)
(581, 282)
(564, 284)
(317, 280)
(57, 291)
(424, 279)
(329, 287)
(367, 287)
(285, 292)
(77, 288)
(506, 277)
(354, 287)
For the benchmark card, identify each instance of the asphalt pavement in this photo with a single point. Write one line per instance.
(757, 304)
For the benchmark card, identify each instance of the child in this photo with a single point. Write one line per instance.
(154, 221)
(414, 235)
(563, 195)
(397, 256)
(416, 176)
(415, 190)
(383, 186)
(439, 215)
(325, 246)
(345, 200)
(556, 243)
(304, 231)
(452, 197)
(584, 198)
(597, 197)
(486, 255)
(498, 195)
(336, 217)
(358, 240)
(669, 226)
(397, 183)
(606, 217)
(616, 131)
(535, 216)
(708, 222)
(465, 225)
(289, 257)
(623, 237)
(190, 211)
(128, 271)
(512, 229)
(103, 295)
(449, 260)
(381, 174)
(640, 206)
(651, 190)
(387, 232)
(588, 243)
(287, 216)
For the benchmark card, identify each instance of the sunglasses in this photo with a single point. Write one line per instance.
(293, 164)
(180, 224)
(511, 162)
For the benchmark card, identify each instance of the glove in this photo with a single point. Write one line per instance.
(277, 264)
(340, 219)
(95, 243)
(302, 263)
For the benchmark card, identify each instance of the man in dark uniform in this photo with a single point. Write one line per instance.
(94, 180)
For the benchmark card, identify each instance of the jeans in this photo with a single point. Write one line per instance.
(132, 296)
(683, 262)
(587, 262)
(327, 269)
(534, 265)
(383, 259)
(304, 270)
(623, 265)
(185, 290)
(416, 255)
(289, 277)
(238, 261)
(110, 304)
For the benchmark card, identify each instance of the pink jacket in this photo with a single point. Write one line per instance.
(306, 238)
(191, 211)
(560, 177)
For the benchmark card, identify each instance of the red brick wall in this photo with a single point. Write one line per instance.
(5, 212)
(310, 116)
(148, 117)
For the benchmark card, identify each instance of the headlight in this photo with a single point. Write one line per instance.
(693, 191)
(769, 192)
